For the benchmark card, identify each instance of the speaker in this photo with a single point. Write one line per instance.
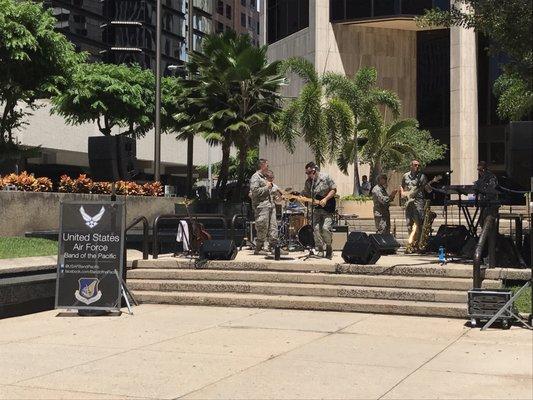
(359, 249)
(385, 243)
(507, 255)
(112, 158)
(218, 249)
(451, 237)
(519, 149)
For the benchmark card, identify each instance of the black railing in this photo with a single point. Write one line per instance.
(135, 222)
(488, 233)
(232, 225)
(182, 217)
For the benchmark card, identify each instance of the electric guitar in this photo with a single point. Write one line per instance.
(411, 194)
(330, 206)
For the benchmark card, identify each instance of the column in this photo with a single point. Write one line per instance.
(463, 106)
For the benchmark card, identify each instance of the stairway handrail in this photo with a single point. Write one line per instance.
(135, 222)
(487, 233)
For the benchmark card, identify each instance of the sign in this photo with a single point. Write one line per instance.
(91, 248)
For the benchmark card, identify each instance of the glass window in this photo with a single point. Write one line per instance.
(228, 11)
(243, 2)
(243, 20)
(220, 7)
(285, 17)
(384, 7)
(358, 9)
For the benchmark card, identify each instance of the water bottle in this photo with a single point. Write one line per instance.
(442, 255)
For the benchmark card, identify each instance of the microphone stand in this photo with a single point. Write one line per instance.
(310, 248)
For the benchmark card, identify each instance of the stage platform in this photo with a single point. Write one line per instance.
(396, 284)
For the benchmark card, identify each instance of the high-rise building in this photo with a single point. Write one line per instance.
(442, 76)
(240, 15)
(123, 31)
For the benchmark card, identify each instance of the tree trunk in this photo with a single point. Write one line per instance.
(243, 151)
(222, 180)
(375, 170)
(356, 183)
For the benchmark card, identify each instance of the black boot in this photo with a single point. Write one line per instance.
(329, 251)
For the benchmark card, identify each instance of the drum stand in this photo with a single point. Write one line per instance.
(310, 249)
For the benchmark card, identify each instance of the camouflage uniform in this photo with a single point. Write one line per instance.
(414, 211)
(486, 184)
(381, 209)
(323, 219)
(264, 211)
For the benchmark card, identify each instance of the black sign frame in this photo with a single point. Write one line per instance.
(113, 275)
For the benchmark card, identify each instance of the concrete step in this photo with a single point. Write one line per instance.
(416, 267)
(299, 289)
(457, 310)
(391, 281)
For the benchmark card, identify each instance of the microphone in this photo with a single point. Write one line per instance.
(448, 172)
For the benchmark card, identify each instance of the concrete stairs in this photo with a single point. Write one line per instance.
(408, 289)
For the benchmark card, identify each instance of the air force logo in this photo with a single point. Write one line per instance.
(88, 291)
(91, 222)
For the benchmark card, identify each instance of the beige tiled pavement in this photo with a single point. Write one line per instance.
(168, 352)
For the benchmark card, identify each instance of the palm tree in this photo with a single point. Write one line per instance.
(388, 142)
(321, 119)
(232, 98)
(364, 100)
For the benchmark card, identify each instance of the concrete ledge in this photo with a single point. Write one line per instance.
(23, 211)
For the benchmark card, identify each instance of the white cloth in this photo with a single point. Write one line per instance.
(183, 234)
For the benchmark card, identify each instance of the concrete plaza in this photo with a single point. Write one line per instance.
(192, 352)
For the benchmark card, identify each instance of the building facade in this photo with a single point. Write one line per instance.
(240, 15)
(442, 76)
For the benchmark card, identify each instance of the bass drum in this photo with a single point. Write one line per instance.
(305, 236)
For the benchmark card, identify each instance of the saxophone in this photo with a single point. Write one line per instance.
(429, 217)
(419, 245)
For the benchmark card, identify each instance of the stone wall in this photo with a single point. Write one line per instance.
(22, 212)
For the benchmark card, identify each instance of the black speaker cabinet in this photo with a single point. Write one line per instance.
(359, 249)
(451, 237)
(218, 249)
(385, 243)
(112, 158)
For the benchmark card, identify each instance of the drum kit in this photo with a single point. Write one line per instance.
(294, 229)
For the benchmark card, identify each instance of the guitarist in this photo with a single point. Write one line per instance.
(319, 185)
(415, 182)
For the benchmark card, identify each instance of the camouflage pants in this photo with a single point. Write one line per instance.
(322, 229)
(266, 226)
(382, 224)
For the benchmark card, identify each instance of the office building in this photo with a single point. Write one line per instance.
(240, 15)
(443, 76)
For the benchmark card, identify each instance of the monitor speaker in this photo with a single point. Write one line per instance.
(112, 158)
(218, 249)
(451, 237)
(359, 249)
(385, 243)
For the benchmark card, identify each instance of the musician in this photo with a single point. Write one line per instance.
(320, 185)
(416, 183)
(485, 187)
(365, 186)
(382, 202)
(264, 208)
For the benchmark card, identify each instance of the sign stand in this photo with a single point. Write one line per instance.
(125, 293)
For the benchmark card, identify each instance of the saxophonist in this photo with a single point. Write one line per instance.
(382, 201)
(414, 184)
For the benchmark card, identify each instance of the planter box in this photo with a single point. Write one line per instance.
(364, 209)
(22, 212)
